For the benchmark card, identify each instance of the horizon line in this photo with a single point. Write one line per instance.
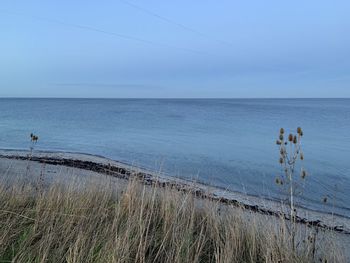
(174, 98)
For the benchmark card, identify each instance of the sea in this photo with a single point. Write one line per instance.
(228, 143)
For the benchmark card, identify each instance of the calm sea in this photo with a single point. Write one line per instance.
(228, 143)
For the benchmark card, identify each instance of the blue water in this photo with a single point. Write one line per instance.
(228, 143)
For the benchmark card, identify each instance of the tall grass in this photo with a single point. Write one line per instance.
(98, 223)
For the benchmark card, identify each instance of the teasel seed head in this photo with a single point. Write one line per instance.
(299, 130)
(33, 138)
(277, 180)
(295, 139)
(303, 174)
(290, 137)
(281, 160)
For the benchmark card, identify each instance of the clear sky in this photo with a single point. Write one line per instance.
(198, 48)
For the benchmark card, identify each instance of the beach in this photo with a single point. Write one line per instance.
(64, 167)
(81, 170)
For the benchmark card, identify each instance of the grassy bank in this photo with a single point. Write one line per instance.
(140, 224)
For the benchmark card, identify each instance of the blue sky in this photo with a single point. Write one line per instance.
(134, 48)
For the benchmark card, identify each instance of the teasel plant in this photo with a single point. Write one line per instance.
(33, 141)
(290, 152)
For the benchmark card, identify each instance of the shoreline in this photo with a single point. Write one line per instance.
(109, 167)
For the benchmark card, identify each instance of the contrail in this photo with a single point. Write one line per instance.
(97, 30)
(170, 21)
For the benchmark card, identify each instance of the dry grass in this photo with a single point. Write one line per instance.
(140, 224)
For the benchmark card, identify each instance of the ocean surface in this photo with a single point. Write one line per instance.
(225, 142)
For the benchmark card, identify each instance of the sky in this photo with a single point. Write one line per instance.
(175, 49)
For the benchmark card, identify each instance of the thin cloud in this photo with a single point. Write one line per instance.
(109, 85)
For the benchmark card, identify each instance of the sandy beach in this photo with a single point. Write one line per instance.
(64, 166)
(82, 169)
